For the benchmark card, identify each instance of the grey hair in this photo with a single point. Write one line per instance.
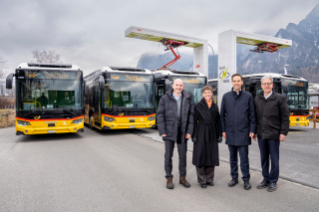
(267, 77)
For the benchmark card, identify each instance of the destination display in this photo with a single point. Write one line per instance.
(130, 77)
(48, 75)
(295, 83)
(191, 80)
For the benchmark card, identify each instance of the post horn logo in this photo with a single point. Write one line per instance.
(115, 77)
(224, 74)
(37, 117)
(121, 114)
(31, 74)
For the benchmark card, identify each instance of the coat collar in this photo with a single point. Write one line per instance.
(235, 93)
(272, 97)
(185, 94)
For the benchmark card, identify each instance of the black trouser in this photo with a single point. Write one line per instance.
(205, 174)
(182, 150)
(269, 147)
(244, 161)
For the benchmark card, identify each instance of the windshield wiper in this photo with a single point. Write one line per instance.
(68, 111)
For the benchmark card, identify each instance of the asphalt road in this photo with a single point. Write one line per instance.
(120, 171)
(299, 155)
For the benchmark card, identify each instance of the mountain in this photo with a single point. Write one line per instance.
(303, 53)
(302, 57)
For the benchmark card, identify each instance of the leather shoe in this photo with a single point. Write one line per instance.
(247, 185)
(169, 183)
(263, 184)
(210, 183)
(233, 182)
(183, 181)
(272, 187)
(203, 185)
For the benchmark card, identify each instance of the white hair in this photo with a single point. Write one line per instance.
(267, 77)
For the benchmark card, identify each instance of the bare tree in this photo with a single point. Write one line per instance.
(3, 64)
(45, 56)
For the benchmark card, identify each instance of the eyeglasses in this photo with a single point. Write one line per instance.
(267, 84)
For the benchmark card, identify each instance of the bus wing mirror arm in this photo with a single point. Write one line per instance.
(284, 87)
(101, 82)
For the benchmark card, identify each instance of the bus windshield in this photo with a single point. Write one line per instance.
(49, 94)
(127, 94)
(297, 96)
(195, 90)
(193, 85)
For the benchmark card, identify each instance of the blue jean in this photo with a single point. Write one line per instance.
(269, 147)
(244, 161)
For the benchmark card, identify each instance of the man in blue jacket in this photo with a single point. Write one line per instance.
(238, 122)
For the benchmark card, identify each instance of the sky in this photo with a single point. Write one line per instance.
(90, 34)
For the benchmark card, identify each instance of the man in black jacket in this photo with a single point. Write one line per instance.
(272, 127)
(237, 116)
(175, 125)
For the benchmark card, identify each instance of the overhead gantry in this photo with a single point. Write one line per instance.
(173, 41)
(227, 53)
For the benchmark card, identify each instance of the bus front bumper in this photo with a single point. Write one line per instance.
(118, 125)
(29, 130)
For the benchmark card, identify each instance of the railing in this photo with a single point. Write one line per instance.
(314, 117)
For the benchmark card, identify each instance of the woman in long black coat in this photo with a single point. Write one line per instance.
(207, 134)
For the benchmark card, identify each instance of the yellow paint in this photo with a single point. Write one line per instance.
(41, 127)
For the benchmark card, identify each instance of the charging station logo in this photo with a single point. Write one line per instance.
(224, 75)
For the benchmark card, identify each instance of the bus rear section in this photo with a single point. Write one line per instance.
(49, 99)
(119, 98)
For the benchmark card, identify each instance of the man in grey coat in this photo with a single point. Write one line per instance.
(238, 122)
(175, 125)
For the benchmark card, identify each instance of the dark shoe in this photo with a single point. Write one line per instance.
(247, 185)
(233, 182)
(169, 183)
(210, 183)
(263, 184)
(203, 185)
(183, 181)
(272, 187)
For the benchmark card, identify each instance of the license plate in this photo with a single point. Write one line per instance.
(297, 124)
(131, 126)
(51, 131)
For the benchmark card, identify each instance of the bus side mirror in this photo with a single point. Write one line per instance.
(101, 82)
(9, 81)
(284, 87)
(86, 90)
(168, 84)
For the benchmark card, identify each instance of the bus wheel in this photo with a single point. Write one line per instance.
(91, 122)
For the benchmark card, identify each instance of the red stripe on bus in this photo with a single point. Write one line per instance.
(127, 116)
(55, 119)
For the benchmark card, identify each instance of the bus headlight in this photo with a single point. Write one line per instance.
(23, 123)
(77, 121)
(152, 118)
(109, 119)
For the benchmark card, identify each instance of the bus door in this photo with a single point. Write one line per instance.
(97, 106)
(160, 92)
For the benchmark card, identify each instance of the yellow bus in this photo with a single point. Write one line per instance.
(294, 88)
(119, 98)
(49, 98)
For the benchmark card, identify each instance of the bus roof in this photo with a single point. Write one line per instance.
(273, 75)
(39, 66)
(125, 69)
(179, 73)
